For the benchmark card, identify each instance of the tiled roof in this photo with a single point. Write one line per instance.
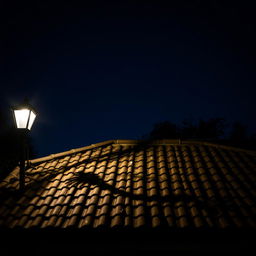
(132, 184)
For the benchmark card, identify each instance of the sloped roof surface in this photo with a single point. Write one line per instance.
(131, 184)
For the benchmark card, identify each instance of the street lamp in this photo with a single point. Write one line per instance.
(24, 116)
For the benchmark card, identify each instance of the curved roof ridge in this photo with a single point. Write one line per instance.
(134, 142)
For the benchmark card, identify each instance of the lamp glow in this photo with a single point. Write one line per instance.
(24, 116)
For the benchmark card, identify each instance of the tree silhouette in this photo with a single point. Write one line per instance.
(238, 132)
(213, 130)
(164, 130)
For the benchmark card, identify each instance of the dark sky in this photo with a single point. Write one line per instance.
(111, 71)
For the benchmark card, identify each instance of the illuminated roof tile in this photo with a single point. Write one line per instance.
(134, 184)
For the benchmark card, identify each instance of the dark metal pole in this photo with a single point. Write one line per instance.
(22, 159)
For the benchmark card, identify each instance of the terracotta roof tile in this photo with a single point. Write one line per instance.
(128, 184)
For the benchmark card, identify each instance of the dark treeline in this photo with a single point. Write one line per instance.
(214, 130)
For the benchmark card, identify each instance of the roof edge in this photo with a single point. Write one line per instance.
(134, 142)
(71, 151)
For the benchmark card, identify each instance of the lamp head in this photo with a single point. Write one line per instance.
(24, 115)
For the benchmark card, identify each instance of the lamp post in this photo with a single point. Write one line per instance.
(24, 116)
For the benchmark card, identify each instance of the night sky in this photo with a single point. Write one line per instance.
(111, 71)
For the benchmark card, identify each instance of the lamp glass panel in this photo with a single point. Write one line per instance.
(31, 120)
(21, 117)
